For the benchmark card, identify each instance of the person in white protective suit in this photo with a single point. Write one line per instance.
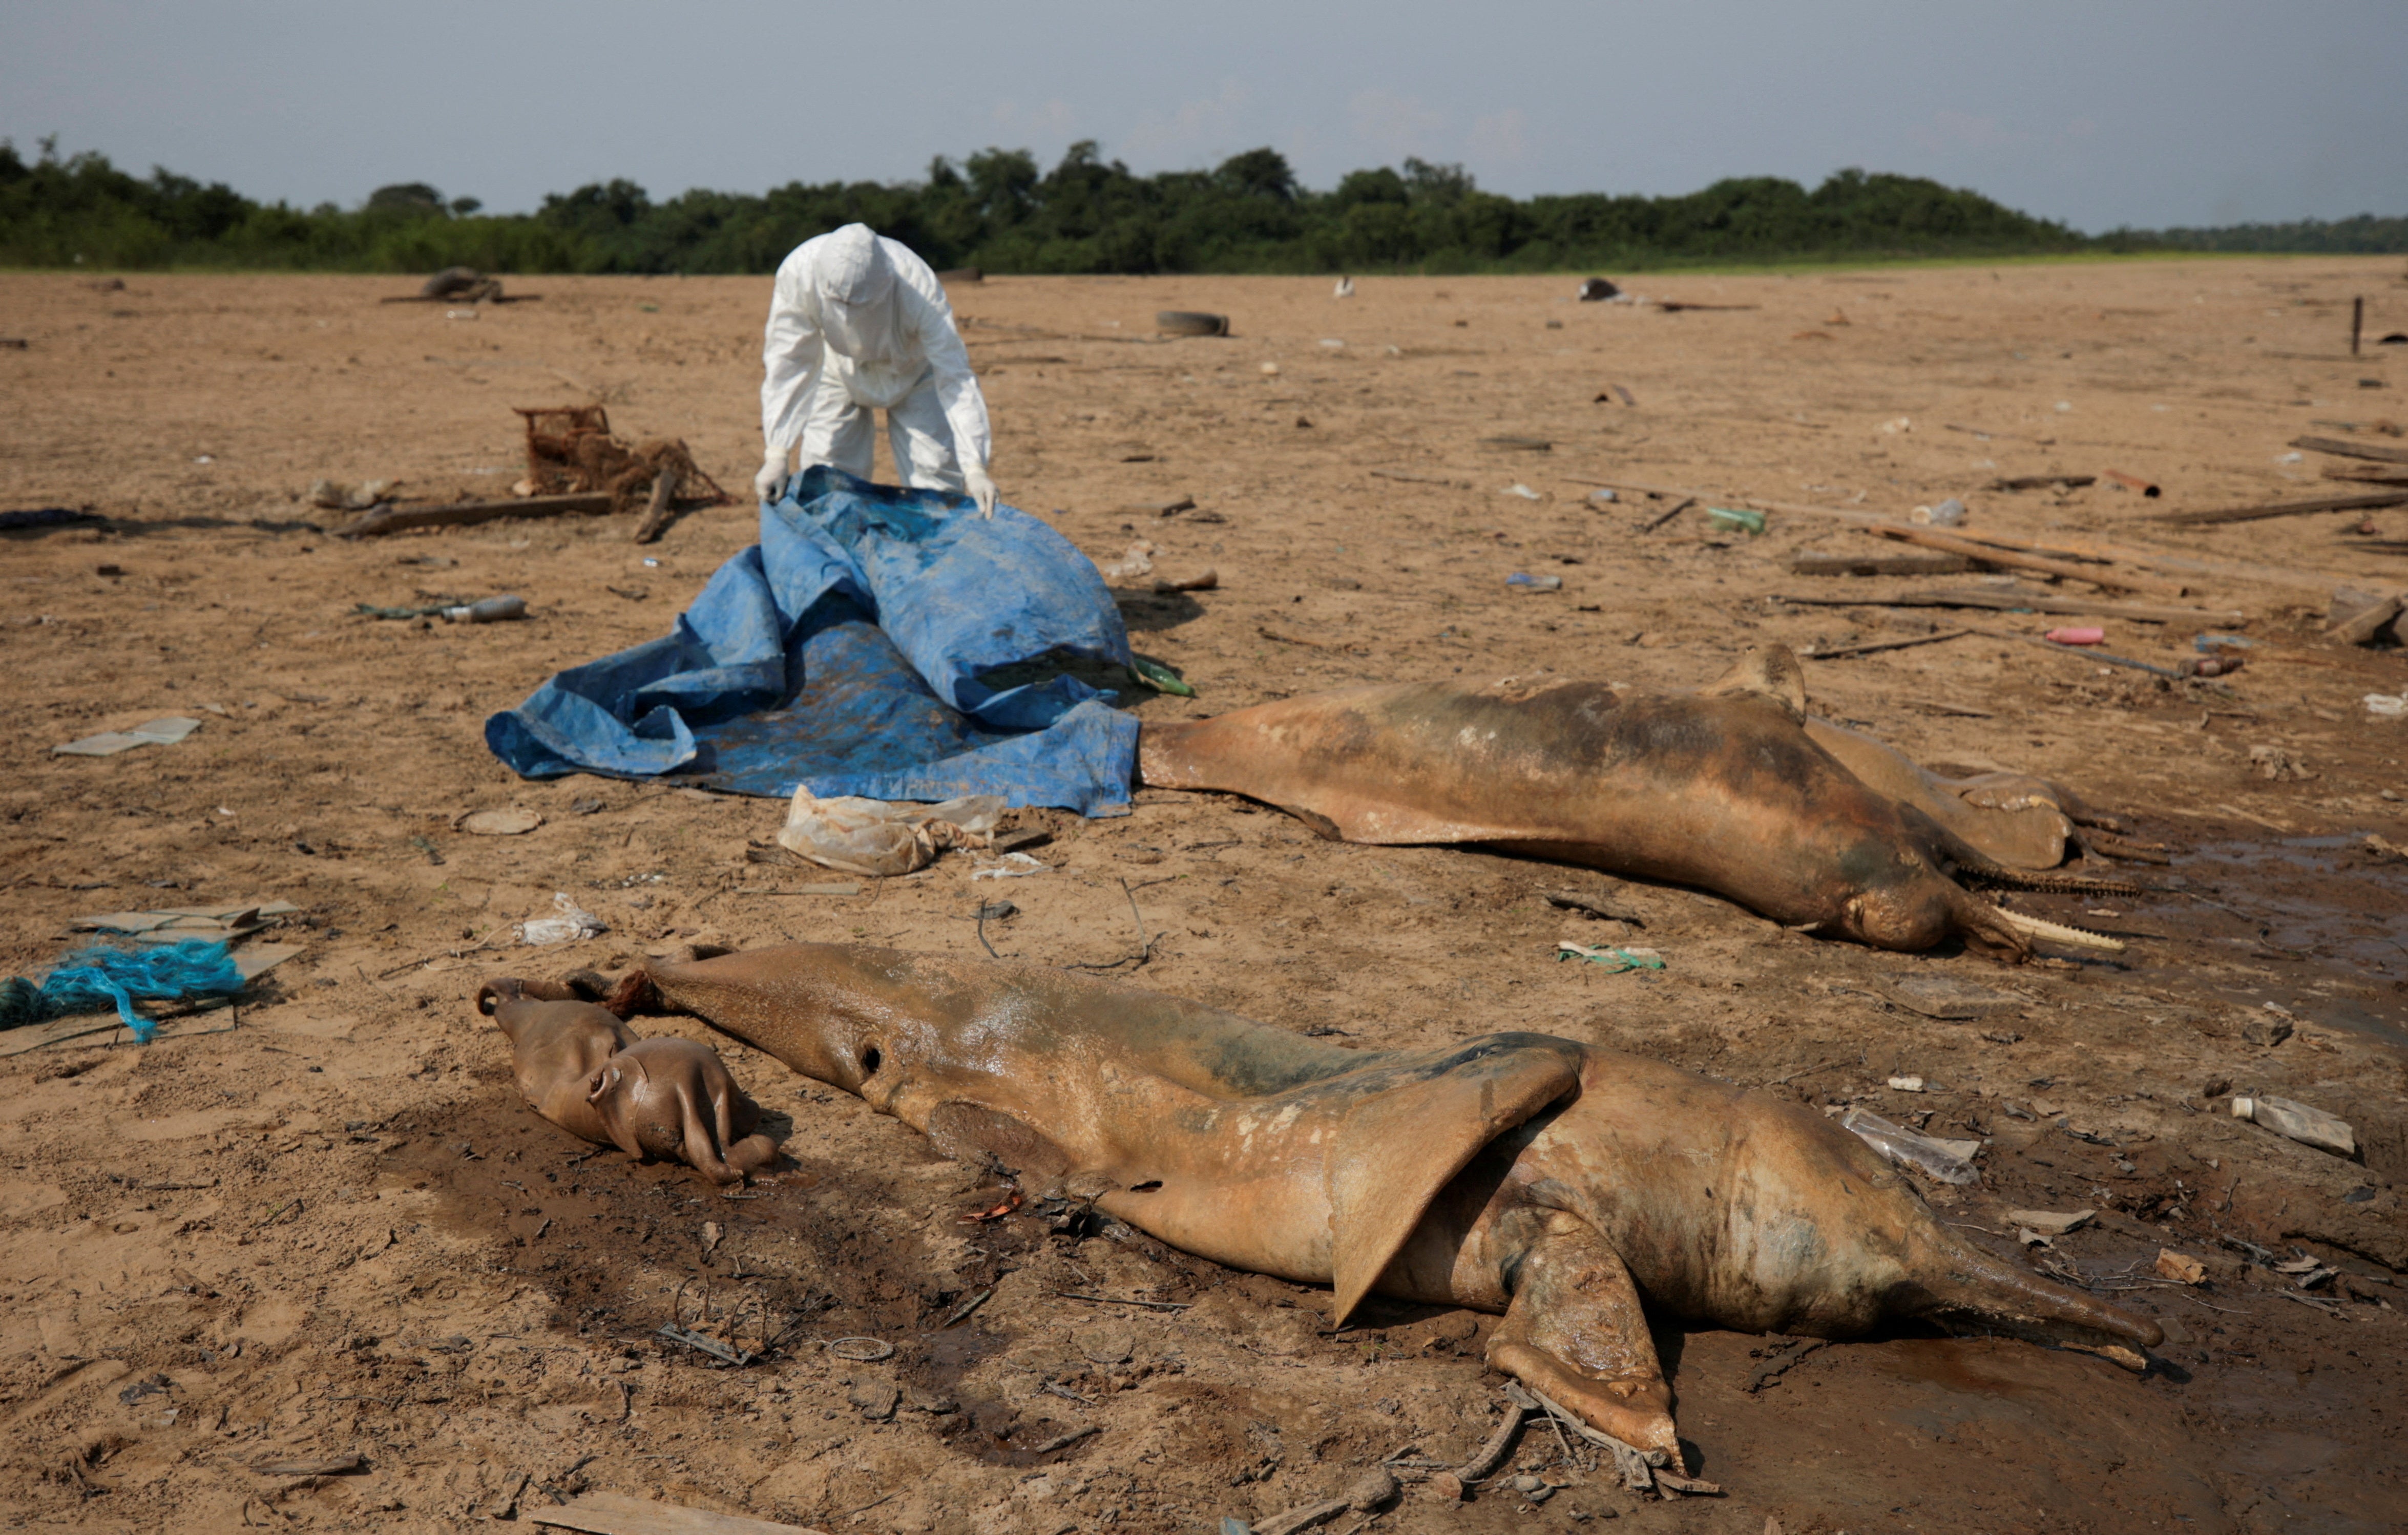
(858, 323)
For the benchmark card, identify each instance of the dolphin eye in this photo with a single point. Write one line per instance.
(870, 1059)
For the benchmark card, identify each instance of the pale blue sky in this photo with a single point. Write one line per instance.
(2097, 113)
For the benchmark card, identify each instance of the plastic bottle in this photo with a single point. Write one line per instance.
(491, 611)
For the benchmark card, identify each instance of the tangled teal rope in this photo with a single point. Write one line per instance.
(94, 979)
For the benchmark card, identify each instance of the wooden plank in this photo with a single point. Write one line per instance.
(2367, 502)
(2038, 602)
(463, 514)
(610, 1513)
(1931, 538)
(2343, 448)
(2379, 473)
(1878, 565)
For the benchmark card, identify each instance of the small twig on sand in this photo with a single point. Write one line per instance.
(1116, 1301)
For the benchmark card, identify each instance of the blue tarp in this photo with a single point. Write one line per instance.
(847, 651)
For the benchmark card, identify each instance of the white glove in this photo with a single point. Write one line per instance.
(979, 488)
(770, 483)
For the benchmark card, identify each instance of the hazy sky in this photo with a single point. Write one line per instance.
(2098, 112)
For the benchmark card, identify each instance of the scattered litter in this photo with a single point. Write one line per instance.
(1906, 1085)
(865, 1351)
(1948, 513)
(2386, 706)
(703, 1343)
(1133, 561)
(1270, 370)
(491, 611)
(1616, 960)
(1332, 343)
(1525, 491)
(2076, 637)
(1206, 582)
(1524, 582)
(1345, 288)
(350, 496)
(97, 977)
(1154, 674)
(883, 837)
(174, 925)
(2180, 1267)
(2306, 1126)
(159, 732)
(509, 822)
(1949, 1161)
(1728, 520)
(1596, 290)
(1014, 866)
(1896, 425)
(2149, 489)
(2049, 1223)
(1602, 496)
(1520, 444)
(573, 924)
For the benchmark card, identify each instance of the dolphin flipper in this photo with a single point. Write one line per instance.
(1575, 1333)
(1398, 1147)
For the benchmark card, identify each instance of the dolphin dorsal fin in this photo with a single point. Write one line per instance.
(1771, 671)
(1399, 1146)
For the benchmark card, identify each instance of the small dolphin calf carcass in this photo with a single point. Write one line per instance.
(1723, 788)
(582, 1067)
(1558, 1183)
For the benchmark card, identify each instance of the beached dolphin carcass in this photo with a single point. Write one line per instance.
(1727, 788)
(1563, 1185)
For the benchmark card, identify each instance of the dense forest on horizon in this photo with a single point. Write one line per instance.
(997, 211)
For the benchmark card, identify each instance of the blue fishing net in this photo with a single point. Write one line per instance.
(97, 978)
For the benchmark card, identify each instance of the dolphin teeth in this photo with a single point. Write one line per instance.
(2078, 938)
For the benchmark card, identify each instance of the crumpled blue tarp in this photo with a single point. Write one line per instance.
(845, 651)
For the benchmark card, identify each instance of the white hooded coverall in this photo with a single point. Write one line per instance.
(858, 322)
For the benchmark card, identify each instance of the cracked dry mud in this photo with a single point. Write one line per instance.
(325, 1225)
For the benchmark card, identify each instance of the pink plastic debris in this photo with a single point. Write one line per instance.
(2076, 637)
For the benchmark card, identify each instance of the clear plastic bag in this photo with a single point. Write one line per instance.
(880, 838)
(1940, 1159)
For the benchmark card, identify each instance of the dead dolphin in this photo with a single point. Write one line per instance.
(2020, 821)
(584, 1069)
(1554, 1181)
(1722, 788)
(557, 1045)
(675, 1098)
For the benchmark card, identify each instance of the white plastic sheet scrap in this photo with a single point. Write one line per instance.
(1014, 866)
(573, 924)
(878, 838)
(159, 732)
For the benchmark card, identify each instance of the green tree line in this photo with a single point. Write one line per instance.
(999, 210)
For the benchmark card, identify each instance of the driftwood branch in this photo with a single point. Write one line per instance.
(2367, 502)
(1883, 645)
(2342, 447)
(463, 514)
(1989, 555)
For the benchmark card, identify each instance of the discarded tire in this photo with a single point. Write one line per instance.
(1191, 322)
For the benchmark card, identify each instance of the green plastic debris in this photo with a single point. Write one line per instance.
(1160, 677)
(1727, 521)
(1615, 960)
